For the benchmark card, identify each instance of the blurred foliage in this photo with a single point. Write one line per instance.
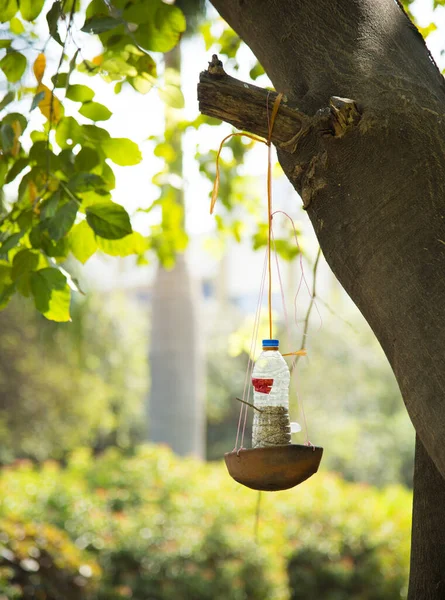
(68, 385)
(158, 526)
(40, 561)
(353, 404)
(341, 556)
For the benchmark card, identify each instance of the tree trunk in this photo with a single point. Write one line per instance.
(428, 531)
(176, 411)
(176, 407)
(371, 173)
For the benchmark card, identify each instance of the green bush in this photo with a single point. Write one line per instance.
(61, 385)
(349, 572)
(160, 527)
(39, 561)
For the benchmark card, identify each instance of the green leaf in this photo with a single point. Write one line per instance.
(7, 99)
(95, 134)
(16, 26)
(108, 177)
(160, 24)
(84, 182)
(35, 101)
(7, 287)
(51, 294)
(63, 220)
(70, 5)
(68, 133)
(13, 66)
(5, 273)
(52, 17)
(256, 71)
(82, 242)
(49, 207)
(109, 220)
(8, 8)
(72, 66)
(6, 293)
(16, 168)
(95, 111)
(39, 238)
(100, 24)
(24, 261)
(118, 67)
(95, 197)
(79, 93)
(3, 173)
(142, 83)
(12, 117)
(86, 159)
(39, 153)
(122, 151)
(172, 96)
(145, 64)
(7, 137)
(60, 80)
(5, 43)
(24, 218)
(135, 243)
(88, 67)
(11, 242)
(425, 31)
(31, 9)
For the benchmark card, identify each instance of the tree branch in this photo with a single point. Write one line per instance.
(245, 106)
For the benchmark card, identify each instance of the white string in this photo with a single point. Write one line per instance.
(250, 362)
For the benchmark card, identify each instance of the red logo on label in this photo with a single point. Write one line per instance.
(262, 385)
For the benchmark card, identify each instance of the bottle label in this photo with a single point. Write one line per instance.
(263, 386)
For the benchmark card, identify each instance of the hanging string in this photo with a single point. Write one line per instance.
(302, 280)
(250, 362)
(270, 124)
(253, 347)
(215, 189)
(311, 304)
(268, 142)
(287, 325)
(268, 265)
(250, 366)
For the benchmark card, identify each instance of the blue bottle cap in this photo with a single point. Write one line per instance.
(271, 343)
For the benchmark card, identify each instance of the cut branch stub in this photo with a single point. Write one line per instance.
(345, 114)
(245, 106)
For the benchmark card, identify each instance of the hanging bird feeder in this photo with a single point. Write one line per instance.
(273, 463)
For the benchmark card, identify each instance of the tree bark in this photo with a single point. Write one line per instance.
(427, 580)
(375, 188)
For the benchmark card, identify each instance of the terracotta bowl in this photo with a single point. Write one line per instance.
(274, 468)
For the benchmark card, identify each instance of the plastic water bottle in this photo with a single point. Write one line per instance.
(270, 380)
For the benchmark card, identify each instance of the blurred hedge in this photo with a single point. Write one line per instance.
(153, 526)
(39, 561)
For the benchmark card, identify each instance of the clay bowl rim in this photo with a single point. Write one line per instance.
(275, 449)
(245, 470)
